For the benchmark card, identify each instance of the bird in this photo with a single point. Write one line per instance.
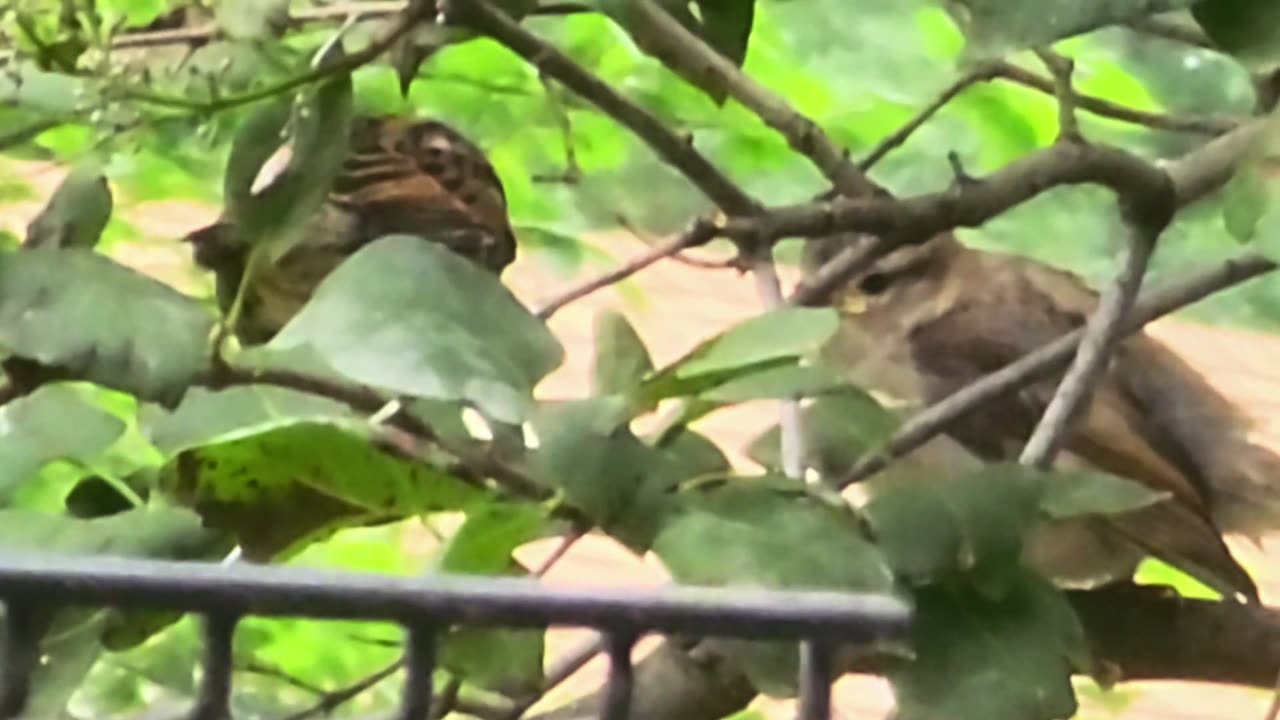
(928, 319)
(401, 175)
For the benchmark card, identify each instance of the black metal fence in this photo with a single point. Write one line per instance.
(32, 584)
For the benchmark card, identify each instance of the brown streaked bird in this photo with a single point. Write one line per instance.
(927, 320)
(401, 176)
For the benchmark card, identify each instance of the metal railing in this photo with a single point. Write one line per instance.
(31, 584)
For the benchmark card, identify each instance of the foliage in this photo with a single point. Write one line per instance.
(162, 452)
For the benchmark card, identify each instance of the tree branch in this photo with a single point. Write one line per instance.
(1044, 361)
(486, 19)
(672, 40)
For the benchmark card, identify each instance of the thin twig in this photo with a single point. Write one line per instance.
(333, 700)
(802, 133)
(1100, 336)
(700, 232)
(898, 137)
(484, 17)
(414, 12)
(1062, 68)
(1040, 363)
(791, 424)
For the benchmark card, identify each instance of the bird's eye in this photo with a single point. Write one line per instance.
(874, 284)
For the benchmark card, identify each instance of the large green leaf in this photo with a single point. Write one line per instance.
(978, 658)
(603, 469)
(935, 527)
(1071, 493)
(410, 316)
(758, 534)
(101, 321)
(54, 422)
(210, 416)
(76, 213)
(283, 487)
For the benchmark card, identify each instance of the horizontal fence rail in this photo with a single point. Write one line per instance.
(31, 585)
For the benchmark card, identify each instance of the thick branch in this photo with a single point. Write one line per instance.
(482, 16)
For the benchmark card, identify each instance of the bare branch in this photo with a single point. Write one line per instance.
(1044, 361)
(483, 17)
(672, 39)
(951, 92)
(1100, 335)
(699, 233)
(1061, 68)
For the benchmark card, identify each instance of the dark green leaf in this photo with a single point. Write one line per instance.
(1075, 493)
(206, 417)
(767, 537)
(978, 658)
(404, 314)
(76, 213)
(726, 26)
(1248, 29)
(101, 321)
(280, 488)
(621, 359)
(932, 527)
(840, 427)
(603, 469)
(55, 422)
(692, 454)
(783, 382)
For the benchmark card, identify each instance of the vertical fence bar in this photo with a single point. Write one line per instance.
(24, 625)
(618, 687)
(815, 680)
(419, 666)
(214, 702)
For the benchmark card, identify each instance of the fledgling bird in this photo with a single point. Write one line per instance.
(927, 320)
(401, 176)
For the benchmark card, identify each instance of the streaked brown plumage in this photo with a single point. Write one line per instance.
(401, 176)
(929, 319)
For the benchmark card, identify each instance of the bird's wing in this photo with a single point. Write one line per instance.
(424, 178)
(979, 334)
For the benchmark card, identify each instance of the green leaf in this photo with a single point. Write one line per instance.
(621, 359)
(502, 660)
(753, 534)
(1245, 200)
(407, 315)
(1076, 493)
(484, 543)
(783, 382)
(692, 454)
(978, 658)
(99, 320)
(1248, 29)
(1152, 571)
(52, 423)
(603, 469)
(726, 26)
(76, 213)
(839, 428)
(289, 485)
(935, 527)
(278, 215)
(206, 416)
(996, 27)
(258, 19)
(74, 641)
(767, 341)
